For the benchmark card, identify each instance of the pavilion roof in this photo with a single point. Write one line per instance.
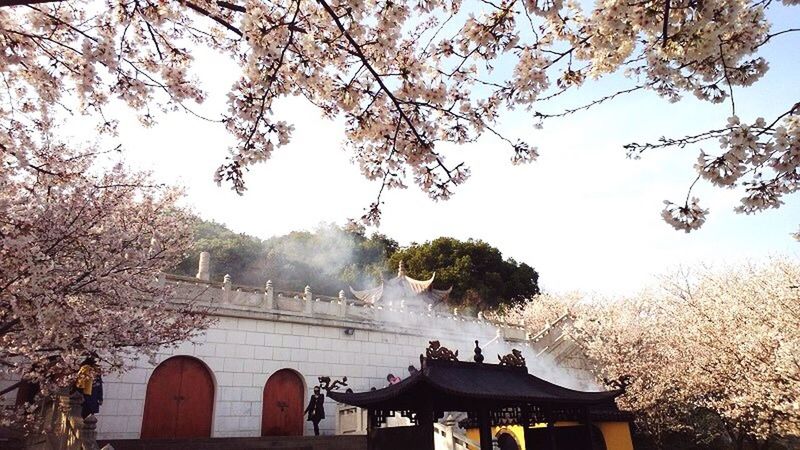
(403, 287)
(457, 384)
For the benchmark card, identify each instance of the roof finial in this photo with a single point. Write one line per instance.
(478, 354)
(401, 271)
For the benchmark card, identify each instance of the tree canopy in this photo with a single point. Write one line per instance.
(80, 255)
(712, 354)
(328, 259)
(331, 258)
(406, 76)
(232, 253)
(477, 272)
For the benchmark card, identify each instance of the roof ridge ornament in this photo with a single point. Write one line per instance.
(401, 271)
(478, 354)
(435, 351)
(328, 386)
(513, 359)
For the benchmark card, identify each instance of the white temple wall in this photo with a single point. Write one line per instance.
(260, 331)
(242, 353)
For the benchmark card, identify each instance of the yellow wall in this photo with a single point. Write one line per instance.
(515, 430)
(616, 434)
(472, 434)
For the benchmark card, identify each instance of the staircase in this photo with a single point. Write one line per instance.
(245, 443)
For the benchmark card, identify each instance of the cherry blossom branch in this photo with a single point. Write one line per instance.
(727, 78)
(375, 75)
(200, 10)
(593, 103)
(8, 326)
(14, 385)
(772, 35)
(665, 28)
(6, 3)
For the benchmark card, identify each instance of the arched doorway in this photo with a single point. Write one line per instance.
(179, 401)
(506, 441)
(282, 413)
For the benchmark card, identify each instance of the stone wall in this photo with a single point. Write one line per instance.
(260, 331)
(249, 343)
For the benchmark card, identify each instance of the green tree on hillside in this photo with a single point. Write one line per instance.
(328, 259)
(331, 258)
(479, 275)
(237, 254)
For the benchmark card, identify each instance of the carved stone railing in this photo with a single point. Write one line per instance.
(63, 428)
(447, 436)
(228, 298)
(351, 420)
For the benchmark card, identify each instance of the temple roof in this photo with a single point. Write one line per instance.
(455, 385)
(402, 287)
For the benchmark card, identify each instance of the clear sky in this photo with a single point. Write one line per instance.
(583, 215)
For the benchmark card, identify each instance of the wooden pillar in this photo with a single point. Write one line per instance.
(551, 435)
(371, 426)
(425, 422)
(588, 424)
(589, 440)
(485, 429)
(525, 423)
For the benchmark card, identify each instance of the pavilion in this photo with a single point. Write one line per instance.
(548, 416)
(403, 288)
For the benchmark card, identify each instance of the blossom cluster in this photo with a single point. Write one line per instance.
(406, 76)
(80, 253)
(687, 217)
(711, 354)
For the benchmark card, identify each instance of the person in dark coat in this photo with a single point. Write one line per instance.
(92, 402)
(316, 409)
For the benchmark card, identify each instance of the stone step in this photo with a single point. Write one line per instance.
(245, 443)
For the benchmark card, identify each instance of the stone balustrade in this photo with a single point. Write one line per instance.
(63, 428)
(352, 420)
(227, 298)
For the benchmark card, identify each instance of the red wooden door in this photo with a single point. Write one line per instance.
(282, 414)
(179, 400)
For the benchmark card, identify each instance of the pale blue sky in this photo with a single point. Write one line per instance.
(583, 215)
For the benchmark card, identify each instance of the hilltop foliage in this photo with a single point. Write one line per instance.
(331, 258)
(479, 275)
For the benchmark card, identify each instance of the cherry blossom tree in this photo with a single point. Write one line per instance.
(80, 252)
(711, 354)
(407, 76)
(543, 309)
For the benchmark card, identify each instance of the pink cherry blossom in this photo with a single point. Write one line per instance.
(405, 76)
(81, 249)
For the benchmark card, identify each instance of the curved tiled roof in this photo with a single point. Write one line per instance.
(459, 382)
(402, 287)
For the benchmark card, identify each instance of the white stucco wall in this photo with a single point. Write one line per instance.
(259, 332)
(243, 352)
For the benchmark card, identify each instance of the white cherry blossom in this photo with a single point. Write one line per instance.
(405, 76)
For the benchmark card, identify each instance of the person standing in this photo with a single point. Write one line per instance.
(93, 401)
(90, 384)
(316, 409)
